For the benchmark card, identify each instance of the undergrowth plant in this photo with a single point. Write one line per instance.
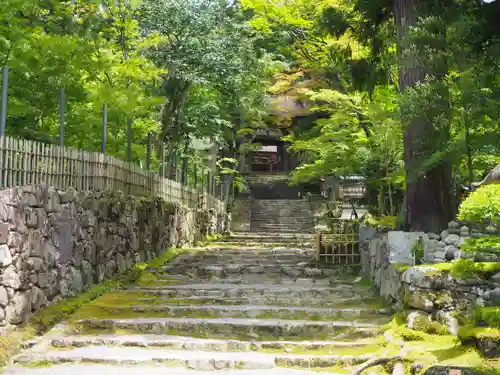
(482, 206)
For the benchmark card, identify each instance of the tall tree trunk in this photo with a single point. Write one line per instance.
(469, 153)
(428, 193)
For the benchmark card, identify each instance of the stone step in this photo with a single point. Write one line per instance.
(269, 238)
(223, 270)
(285, 228)
(252, 244)
(194, 360)
(110, 369)
(241, 329)
(243, 311)
(248, 262)
(222, 248)
(304, 218)
(228, 290)
(277, 280)
(280, 225)
(245, 259)
(153, 296)
(210, 345)
(276, 234)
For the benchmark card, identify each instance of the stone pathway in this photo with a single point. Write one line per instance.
(254, 304)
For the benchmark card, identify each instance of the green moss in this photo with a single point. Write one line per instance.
(383, 221)
(39, 364)
(47, 317)
(488, 244)
(462, 268)
(401, 267)
(482, 205)
(362, 349)
(470, 332)
(490, 315)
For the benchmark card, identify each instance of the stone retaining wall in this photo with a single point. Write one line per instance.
(376, 267)
(55, 244)
(240, 214)
(432, 292)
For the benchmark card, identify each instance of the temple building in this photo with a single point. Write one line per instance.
(272, 157)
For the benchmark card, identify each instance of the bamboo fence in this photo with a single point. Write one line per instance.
(24, 162)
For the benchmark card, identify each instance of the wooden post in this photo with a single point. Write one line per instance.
(104, 130)
(61, 117)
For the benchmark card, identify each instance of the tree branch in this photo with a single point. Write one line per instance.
(375, 362)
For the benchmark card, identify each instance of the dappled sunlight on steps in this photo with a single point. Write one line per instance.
(249, 304)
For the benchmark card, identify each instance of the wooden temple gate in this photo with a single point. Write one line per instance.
(340, 244)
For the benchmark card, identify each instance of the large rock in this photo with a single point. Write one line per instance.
(38, 299)
(425, 277)
(4, 233)
(5, 256)
(449, 320)
(19, 307)
(452, 239)
(416, 319)
(401, 245)
(366, 233)
(11, 278)
(4, 297)
(421, 300)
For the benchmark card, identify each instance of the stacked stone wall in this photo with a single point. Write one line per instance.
(55, 244)
(432, 292)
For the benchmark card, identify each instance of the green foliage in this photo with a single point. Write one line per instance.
(468, 269)
(423, 324)
(490, 315)
(49, 316)
(417, 251)
(482, 206)
(488, 244)
(383, 221)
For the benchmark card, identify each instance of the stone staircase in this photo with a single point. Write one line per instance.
(251, 304)
(282, 216)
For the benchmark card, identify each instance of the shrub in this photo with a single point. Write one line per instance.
(488, 244)
(482, 206)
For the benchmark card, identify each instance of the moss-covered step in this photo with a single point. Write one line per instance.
(227, 269)
(257, 251)
(364, 346)
(329, 293)
(97, 310)
(229, 328)
(128, 298)
(249, 259)
(196, 360)
(273, 237)
(268, 239)
(110, 369)
(277, 280)
(244, 243)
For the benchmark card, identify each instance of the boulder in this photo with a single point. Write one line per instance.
(11, 278)
(450, 252)
(19, 307)
(416, 319)
(401, 245)
(424, 277)
(452, 239)
(38, 299)
(448, 319)
(4, 297)
(420, 300)
(5, 256)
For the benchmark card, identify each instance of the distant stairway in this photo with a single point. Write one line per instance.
(282, 216)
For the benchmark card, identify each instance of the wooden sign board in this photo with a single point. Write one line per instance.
(455, 372)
